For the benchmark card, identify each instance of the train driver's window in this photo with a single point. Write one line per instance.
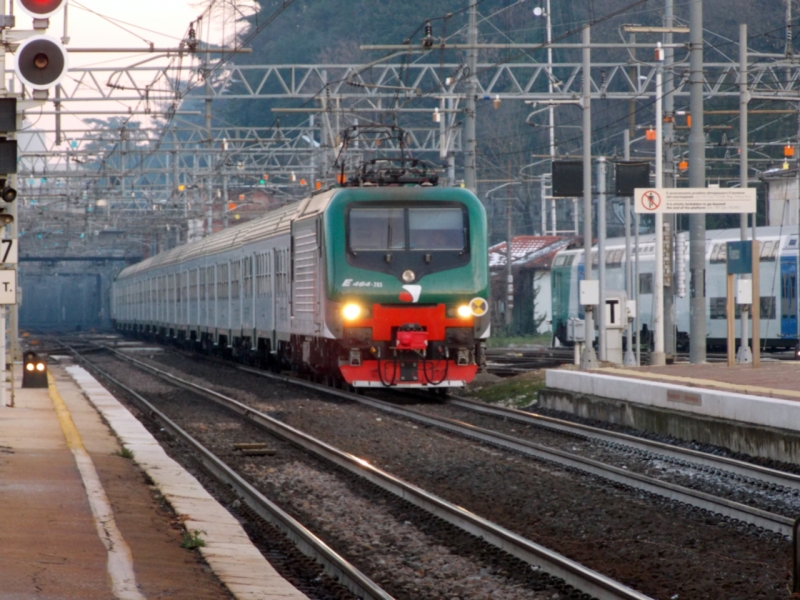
(377, 229)
(436, 228)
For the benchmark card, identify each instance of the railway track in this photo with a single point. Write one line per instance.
(575, 576)
(334, 565)
(506, 362)
(577, 435)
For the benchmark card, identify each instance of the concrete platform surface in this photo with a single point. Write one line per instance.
(773, 379)
(753, 411)
(80, 521)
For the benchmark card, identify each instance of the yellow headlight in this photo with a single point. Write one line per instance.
(29, 366)
(40, 366)
(464, 311)
(351, 311)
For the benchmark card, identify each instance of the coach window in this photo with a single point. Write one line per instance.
(645, 283)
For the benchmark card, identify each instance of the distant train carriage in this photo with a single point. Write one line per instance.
(778, 253)
(373, 286)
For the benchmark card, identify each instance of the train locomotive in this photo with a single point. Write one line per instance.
(366, 284)
(778, 260)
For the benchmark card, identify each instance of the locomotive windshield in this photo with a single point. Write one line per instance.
(436, 229)
(407, 229)
(377, 229)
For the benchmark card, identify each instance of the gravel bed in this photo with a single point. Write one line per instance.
(786, 502)
(662, 548)
(411, 554)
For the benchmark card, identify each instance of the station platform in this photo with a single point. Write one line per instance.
(81, 521)
(754, 411)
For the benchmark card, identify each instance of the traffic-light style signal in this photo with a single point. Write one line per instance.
(7, 193)
(41, 62)
(42, 9)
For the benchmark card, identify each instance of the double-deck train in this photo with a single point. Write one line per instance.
(778, 253)
(368, 285)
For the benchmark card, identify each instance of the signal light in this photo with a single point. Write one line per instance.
(41, 62)
(5, 218)
(34, 372)
(42, 9)
(8, 194)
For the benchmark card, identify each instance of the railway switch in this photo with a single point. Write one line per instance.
(34, 370)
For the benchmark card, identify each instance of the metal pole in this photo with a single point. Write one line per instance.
(601, 254)
(509, 271)
(628, 359)
(638, 319)
(635, 289)
(551, 114)
(209, 191)
(697, 179)
(451, 160)
(657, 358)
(668, 83)
(589, 358)
(544, 206)
(224, 198)
(470, 143)
(14, 346)
(744, 355)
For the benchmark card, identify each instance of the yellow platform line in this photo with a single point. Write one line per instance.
(120, 559)
(695, 381)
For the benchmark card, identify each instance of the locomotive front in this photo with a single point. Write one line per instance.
(407, 285)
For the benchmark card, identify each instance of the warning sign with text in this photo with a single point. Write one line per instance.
(694, 200)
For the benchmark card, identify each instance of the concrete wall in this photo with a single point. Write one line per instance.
(759, 426)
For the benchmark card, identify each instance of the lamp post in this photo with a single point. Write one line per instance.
(509, 273)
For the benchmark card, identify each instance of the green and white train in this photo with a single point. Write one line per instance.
(778, 285)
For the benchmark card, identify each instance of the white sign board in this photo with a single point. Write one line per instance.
(8, 286)
(694, 200)
(8, 252)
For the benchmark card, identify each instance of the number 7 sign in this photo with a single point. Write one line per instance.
(8, 252)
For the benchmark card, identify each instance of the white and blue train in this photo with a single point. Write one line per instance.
(778, 251)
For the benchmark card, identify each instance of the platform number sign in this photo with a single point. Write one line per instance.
(8, 252)
(8, 286)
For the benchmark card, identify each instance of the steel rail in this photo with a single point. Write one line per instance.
(573, 573)
(721, 463)
(309, 544)
(722, 506)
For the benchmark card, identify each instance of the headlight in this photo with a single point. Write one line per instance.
(464, 311)
(351, 311)
(40, 366)
(29, 366)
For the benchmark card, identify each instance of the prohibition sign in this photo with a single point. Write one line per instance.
(650, 200)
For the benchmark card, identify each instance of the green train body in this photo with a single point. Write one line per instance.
(372, 285)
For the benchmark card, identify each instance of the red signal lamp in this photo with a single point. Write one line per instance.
(42, 9)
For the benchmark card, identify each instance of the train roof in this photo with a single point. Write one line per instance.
(279, 221)
(712, 235)
(274, 222)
